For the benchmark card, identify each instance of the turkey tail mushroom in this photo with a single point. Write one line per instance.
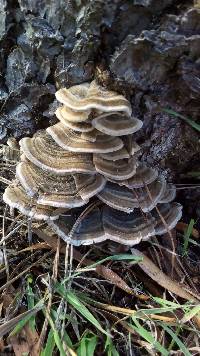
(116, 124)
(92, 97)
(16, 197)
(43, 151)
(91, 153)
(72, 141)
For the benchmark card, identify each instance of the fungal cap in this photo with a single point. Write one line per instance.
(80, 126)
(145, 197)
(116, 170)
(169, 194)
(16, 197)
(116, 124)
(171, 214)
(89, 230)
(43, 151)
(107, 224)
(90, 136)
(131, 146)
(66, 115)
(128, 229)
(118, 197)
(124, 199)
(89, 185)
(116, 155)
(71, 140)
(144, 176)
(67, 191)
(91, 96)
(150, 195)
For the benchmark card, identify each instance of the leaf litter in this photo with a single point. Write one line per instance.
(71, 297)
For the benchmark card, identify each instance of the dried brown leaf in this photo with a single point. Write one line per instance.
(163, 280)
(24, 342)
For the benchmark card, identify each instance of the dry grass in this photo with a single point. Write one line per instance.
(95, 300)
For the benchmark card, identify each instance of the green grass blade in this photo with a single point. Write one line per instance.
(54, 316)
(125, 257)
(82, 309)
(191, 314)
(146, 335)
(57, 338)
(30, 301)
(52, 337)
(187, 235)
(167, 303)
(87, 345)
(120, 257)
(21, 324)
(141, 312)
(91, 345)
(194, 242)
(79, 306)
(50, 345)
(67, 339)
(81, 351)
(192, 123)
(182, 347)
(110, 348)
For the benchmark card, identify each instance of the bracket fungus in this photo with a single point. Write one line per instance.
(90, 153)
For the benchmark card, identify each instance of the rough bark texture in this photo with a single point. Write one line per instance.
(146, 49)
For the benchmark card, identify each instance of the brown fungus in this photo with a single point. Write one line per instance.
(122, 198)
(62, 191)
(16, 197)
(72, 141)
(91, 135)
(116, 124)
(92, 97)
(67, 116)
(108, 224)
(92, 152)
(171, 214)
(75, 125)
(43, 151)
(116, 155)
(116, 170)
(143, 176)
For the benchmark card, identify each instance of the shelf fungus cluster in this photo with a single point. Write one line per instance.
(91, 152)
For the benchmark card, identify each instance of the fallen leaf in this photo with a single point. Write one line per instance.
(24, 342)
(163, 280)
